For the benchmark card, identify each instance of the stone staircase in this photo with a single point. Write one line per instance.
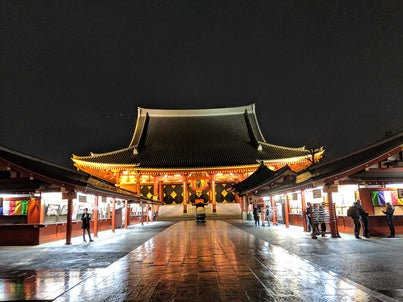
(175, 212)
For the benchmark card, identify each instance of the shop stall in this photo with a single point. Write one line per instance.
(42, 202)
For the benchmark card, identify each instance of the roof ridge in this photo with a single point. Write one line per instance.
(197, 112)
(33, 158)
(92, 154)
(302, 148)
(360, 150)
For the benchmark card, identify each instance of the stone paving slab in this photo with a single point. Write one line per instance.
(43, 272)
(215, 262)
(374, 263)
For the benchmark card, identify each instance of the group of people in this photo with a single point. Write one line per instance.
(360, 216)
(256, 213)
(315, 216)
(356, 212)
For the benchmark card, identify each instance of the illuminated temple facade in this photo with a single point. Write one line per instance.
(179, 156)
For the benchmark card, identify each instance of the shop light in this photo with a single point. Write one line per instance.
(14, 195)
(394, 186)
(48, 197)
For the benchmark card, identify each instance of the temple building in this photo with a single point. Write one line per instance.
(178, 156)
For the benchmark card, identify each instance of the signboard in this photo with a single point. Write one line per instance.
(69, 195)
(317, 193)
(330, 189)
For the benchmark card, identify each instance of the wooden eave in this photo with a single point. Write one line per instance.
(358, 168)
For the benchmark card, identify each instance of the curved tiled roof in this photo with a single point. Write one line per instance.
(356, 159)
(43, 173)
(195, 138)
(347, 166)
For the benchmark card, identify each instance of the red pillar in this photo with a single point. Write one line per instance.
(138, 187)
(274, 210)
(70, 196)
(160, 191)
(96, 211)
(142, 214)
(185, 197)
(113, 215)
(126, 215)
(334, 228)
(287, 221)
(304, 211)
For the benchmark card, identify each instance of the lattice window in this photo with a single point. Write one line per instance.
(173, 194)
(221, 195)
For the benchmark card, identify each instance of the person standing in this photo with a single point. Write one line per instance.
(268, 216)
(389, 217)
(308, 213)
(354, 213)
(85, 224)
(256, 215)
(322, 214)
(364, 219)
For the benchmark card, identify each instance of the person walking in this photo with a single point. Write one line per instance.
(364, 219)
(85, 224)
(389, 217)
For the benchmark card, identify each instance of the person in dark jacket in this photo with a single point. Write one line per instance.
(85, 224)
(364, 219)
(256, 215)
(308, 212)
(355, 215)
(389, 217)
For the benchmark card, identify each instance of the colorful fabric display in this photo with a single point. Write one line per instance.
(380, 198)
(24, 207)
(11, 209)
(18, 206)
(6, 206)
(14, 207)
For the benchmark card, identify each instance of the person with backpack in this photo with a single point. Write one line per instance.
(354, 213)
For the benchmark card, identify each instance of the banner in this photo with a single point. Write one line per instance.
(14, 207)
(380, 198)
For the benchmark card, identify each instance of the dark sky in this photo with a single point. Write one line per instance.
(72, 73)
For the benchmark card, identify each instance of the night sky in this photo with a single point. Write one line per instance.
(73, 73)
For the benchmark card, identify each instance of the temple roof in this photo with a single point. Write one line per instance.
(41, 175)
(254, 180)
(195, 138)
(358, 159)
(261, 178)
(352, 165)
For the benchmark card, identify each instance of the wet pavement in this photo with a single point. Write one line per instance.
(216, 261)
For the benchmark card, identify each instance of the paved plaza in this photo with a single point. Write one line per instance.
(228, 260)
